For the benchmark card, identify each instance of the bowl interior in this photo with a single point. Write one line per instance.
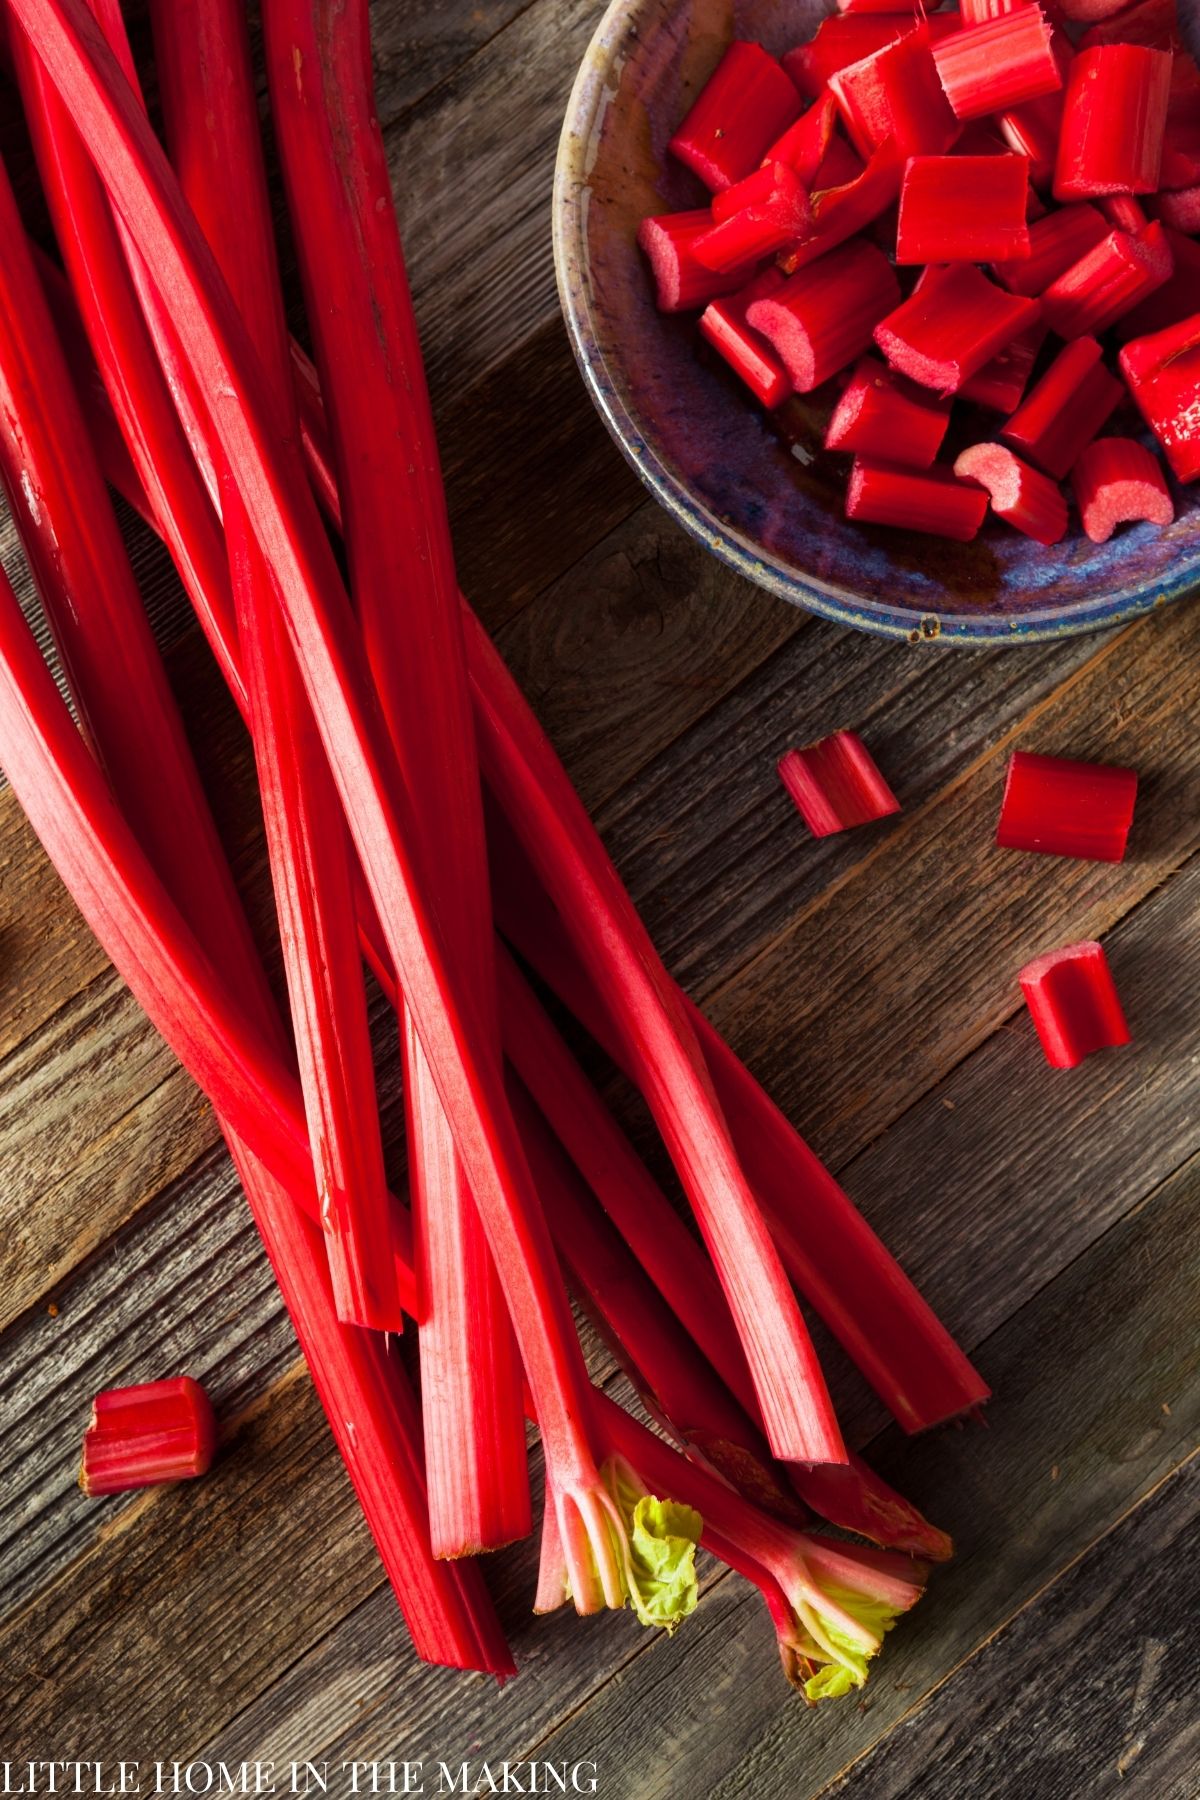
(759, 489)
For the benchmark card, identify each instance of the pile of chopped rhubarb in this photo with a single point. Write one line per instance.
(420, 827)
(974, 228)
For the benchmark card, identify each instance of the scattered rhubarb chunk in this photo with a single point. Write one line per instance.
(681, 281)
(1163, 372)
(723, 323)
(1074, 1003)
(882, 415)
(1113, 122)
(836, 785)
(963, 209)
(988, 68)
(895, 93)
(1056, 243)
(747, 102)
(1065, 409)
(1117, 274)
(951, 325)
(1063, 807)
(773, 211)
(147, 1436)
(928, 500)
(1116, 480)
(1020, 495)
(822, 318)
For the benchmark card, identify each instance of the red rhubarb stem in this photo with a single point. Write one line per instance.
(1063, 807)
(1074, 1003)
(403, 584)
(147, 1436)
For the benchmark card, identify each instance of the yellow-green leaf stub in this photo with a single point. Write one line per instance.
(660, 1546)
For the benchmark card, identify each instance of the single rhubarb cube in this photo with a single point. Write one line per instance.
(881, 415)
(954, 322)
(928, 500)
(836, 785)
(1120, 272)
(895, 93)
(822, 318)
(1163, 372)
(146, 1436)
(723, 324)
(772, 211)
(1062, 807)
(1065, 409)
(1117, 480)
(988, 68)
(963, 209)
(1074, 1003)
(1056, 243)
(1020, 495)
(681, 281)
(743, 108)
(1114, 118)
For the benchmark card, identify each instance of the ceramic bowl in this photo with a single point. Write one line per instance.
(761, 492)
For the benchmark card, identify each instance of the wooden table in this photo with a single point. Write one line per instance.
(871, 982)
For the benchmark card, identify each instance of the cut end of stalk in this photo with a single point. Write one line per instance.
(614, 1544)
(845, 1599)
(1074, 1003)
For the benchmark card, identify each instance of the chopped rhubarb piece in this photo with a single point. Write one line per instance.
(1107, 281)
(743, 108)
(840, 40)
(882, 415)
(803, 146)
(1023, 497)
(821, 319)
(1174, 300)
(1113, 122)
(988, 68)
(1123, 212)
(836, 785)
(963, 209)
(1074, 1003)
(1000, 384)
(774, 213)
(840, 213)
(682, 283)
(1056, 243)
(1063, 807)
(840, 166)
(1180, 209)
(1154, 22)
(929, 500)
(1065, 409)
(1163, 372)
(951, 325)
(747, 352)
(1116, 480)
(895, 93)
(147, 1436)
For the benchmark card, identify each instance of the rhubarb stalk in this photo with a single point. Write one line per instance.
(146, 1436)
(402, 581)
(290, 533)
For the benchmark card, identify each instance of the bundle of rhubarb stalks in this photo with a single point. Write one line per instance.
(989, 213)
(418, 825)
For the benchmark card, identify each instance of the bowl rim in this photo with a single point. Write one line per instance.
(595, 82)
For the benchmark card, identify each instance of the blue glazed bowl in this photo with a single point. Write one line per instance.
(762, 493)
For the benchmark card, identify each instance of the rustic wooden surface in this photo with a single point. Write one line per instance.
(869, 980)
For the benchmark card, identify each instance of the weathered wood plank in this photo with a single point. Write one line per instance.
(1097, 1401)
(1090, 1689)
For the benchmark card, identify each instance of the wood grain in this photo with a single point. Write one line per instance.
(1091, 1686)
(1096, 1403)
